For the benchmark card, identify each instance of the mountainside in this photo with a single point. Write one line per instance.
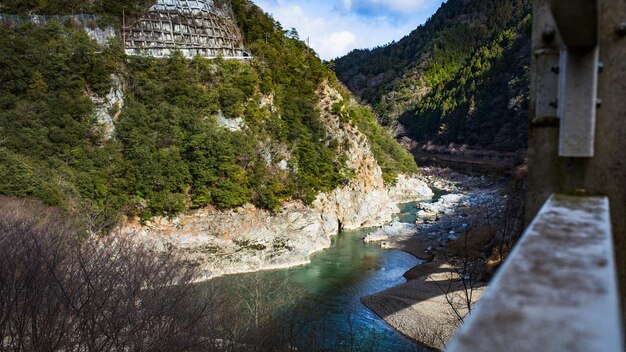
(87, 128)
(460, 78)
(113, 8)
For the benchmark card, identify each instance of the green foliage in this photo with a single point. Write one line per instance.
(292, 71)
(50, 149)
(391, 156)
(23, 178)
(70, 7)
(168, 153)
(486, 102)
(403, 81)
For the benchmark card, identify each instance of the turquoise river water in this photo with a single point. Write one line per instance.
(327, 291)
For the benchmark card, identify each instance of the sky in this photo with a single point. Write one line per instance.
(336, 27)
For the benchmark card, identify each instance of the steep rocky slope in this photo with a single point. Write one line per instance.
(89, 129)
(239, 164)
(250, 239)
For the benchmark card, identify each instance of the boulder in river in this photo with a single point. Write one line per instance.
(427, 216)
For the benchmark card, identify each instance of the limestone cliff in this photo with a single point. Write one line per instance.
(250, 239)
(365, 201)
(107, 109)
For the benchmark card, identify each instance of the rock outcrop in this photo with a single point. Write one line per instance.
(406, 187)
(366, 201)
(251, 239)
(243, 240)
(107, 109)
(231, 124)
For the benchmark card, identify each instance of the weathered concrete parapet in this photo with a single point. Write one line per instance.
(577, 21)
(195, 27)
(573, 55)
(549, 170)
(557, 290)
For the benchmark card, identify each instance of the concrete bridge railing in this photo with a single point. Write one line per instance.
(557, 291)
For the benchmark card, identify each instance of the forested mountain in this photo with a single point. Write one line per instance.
(168, 151)
(112, 8)
(462, 77)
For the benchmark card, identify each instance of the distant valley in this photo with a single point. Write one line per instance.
(462, 78)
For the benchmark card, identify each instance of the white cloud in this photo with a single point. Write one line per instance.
(335, 27)
(338, 43)
(407, 6)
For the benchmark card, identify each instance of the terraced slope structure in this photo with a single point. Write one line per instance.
(195, 27)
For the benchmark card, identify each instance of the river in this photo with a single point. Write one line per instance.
(324, 296)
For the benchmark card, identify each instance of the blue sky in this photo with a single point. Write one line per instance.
(335, 27)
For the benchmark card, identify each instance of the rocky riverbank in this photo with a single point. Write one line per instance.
(472, 202)
(249, 239)
(421, 308)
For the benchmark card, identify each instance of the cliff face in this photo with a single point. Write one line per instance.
(365, 201)
(250, 239)
(107, 109)
(112, 136)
